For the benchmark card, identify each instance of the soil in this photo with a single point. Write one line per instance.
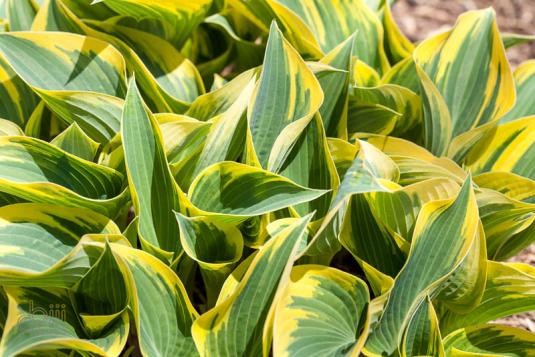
(419, 19)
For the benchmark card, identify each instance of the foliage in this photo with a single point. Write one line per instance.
(246, 178)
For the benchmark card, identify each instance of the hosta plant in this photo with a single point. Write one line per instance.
(261, 177)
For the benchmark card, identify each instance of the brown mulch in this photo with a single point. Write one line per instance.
(419, 19)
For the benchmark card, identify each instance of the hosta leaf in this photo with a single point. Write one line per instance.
(215, 245)
(398, 210)
(368, 240)
(217, 102)
(510, 289)
(379, 283)
(413, 170)
(509, 148)
(363, 75)
(131, 192)
(286, 92)
(397, 147)
(342, 153)
(74, 141)
(525, 85)
(29, 230)
(503, 219)
(247, 54)
(183, 137)
(511, 185)
(322, 312)
(462, 291)
(225, 139)
(333, 22)
(452, 223)
(218, 82)
(43, 124)
(40, 321)
(469, 67)
(82, 79)
(436, 116)
(335, 88)
(169, 81)
(462, 144)
(28, 170)
(20, 14)
(397, 46)
(178, 18)
(403, 74)
(490, 340)
(154, 191)
(517, 243)
(513, 39)
(8, 128)
(161, 308)
(370, 171)
(422, 337)
(100, 296)
(18, 100)
(390, 98)
(233, 189)
(307, 163)
(54, 15)
(374, 118)
(235, 326)
(90, 10)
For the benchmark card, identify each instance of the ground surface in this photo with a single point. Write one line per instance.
(420, 18)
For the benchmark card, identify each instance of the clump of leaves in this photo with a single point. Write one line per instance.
(246, 178)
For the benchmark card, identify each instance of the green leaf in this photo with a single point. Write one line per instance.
(490, 340)
(18, 100)
(326, 25)
(510, 289)
(443, 235)
(397, 46)
(28, 230)
(8, 128)
(470, 70)
(216, 246)
(422, 337)
(335, 88)
(154, 191)
(509, 148)
(20, 14)
(525, 85)
(322, 312)
(436, 116)
(236, 325)
(159, 303)
(80, 78)
(233, 189)
(100, 296)
(28, 170)
(287, 92)
(43, 320)
(514, 39)
(178, 18)
(364, 116)
(74, 141)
